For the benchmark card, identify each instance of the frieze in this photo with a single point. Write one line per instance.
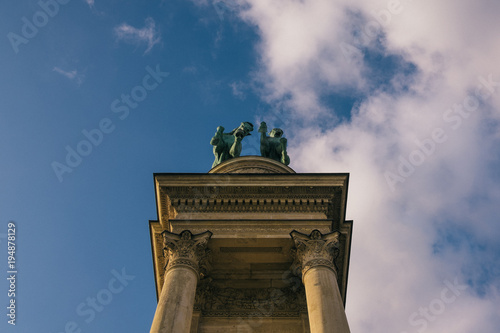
(244, 207)
(226, 189)
(257, 229)
(263, 302)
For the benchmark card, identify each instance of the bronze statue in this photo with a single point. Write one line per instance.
(228, 145)
(274, 145)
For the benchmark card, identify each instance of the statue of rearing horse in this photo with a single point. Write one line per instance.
(228, 145)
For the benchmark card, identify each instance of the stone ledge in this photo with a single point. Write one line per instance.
(251, 164)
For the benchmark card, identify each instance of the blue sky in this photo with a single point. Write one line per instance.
(405, 96)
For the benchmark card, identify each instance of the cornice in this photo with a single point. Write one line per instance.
(175, 200)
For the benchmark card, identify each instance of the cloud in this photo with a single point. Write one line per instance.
(147, 35)
(238, 89)
(90, 3)
(73, 75)
(427, 83)
(190, 69)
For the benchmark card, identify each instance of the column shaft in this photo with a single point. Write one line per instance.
(314, 260)
(186, 254)
(175, 306)
(324, 303)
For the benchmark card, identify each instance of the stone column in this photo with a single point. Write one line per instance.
(185, 253)
(315, 262)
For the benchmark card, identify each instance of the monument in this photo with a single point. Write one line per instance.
(250, 246)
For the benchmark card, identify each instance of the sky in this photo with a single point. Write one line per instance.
(99, 95)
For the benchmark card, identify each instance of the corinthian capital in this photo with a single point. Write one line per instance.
(186, 249)
(314, 250)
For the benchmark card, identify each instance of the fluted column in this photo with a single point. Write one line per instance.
(314, 261)
(185, 253)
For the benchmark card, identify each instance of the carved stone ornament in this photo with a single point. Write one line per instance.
(188, 250)
(314, 250)
(241, 302)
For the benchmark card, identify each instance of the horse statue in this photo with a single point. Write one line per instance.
(228, 145)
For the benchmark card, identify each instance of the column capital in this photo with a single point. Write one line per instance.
(314, 250)
(187, 250)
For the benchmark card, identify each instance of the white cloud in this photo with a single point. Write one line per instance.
(90, 3)
(73, 75)
(441, 220)
(148, 35)
(238, 89)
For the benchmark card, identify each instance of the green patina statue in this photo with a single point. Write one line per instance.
(228, 145)
(274, 145)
